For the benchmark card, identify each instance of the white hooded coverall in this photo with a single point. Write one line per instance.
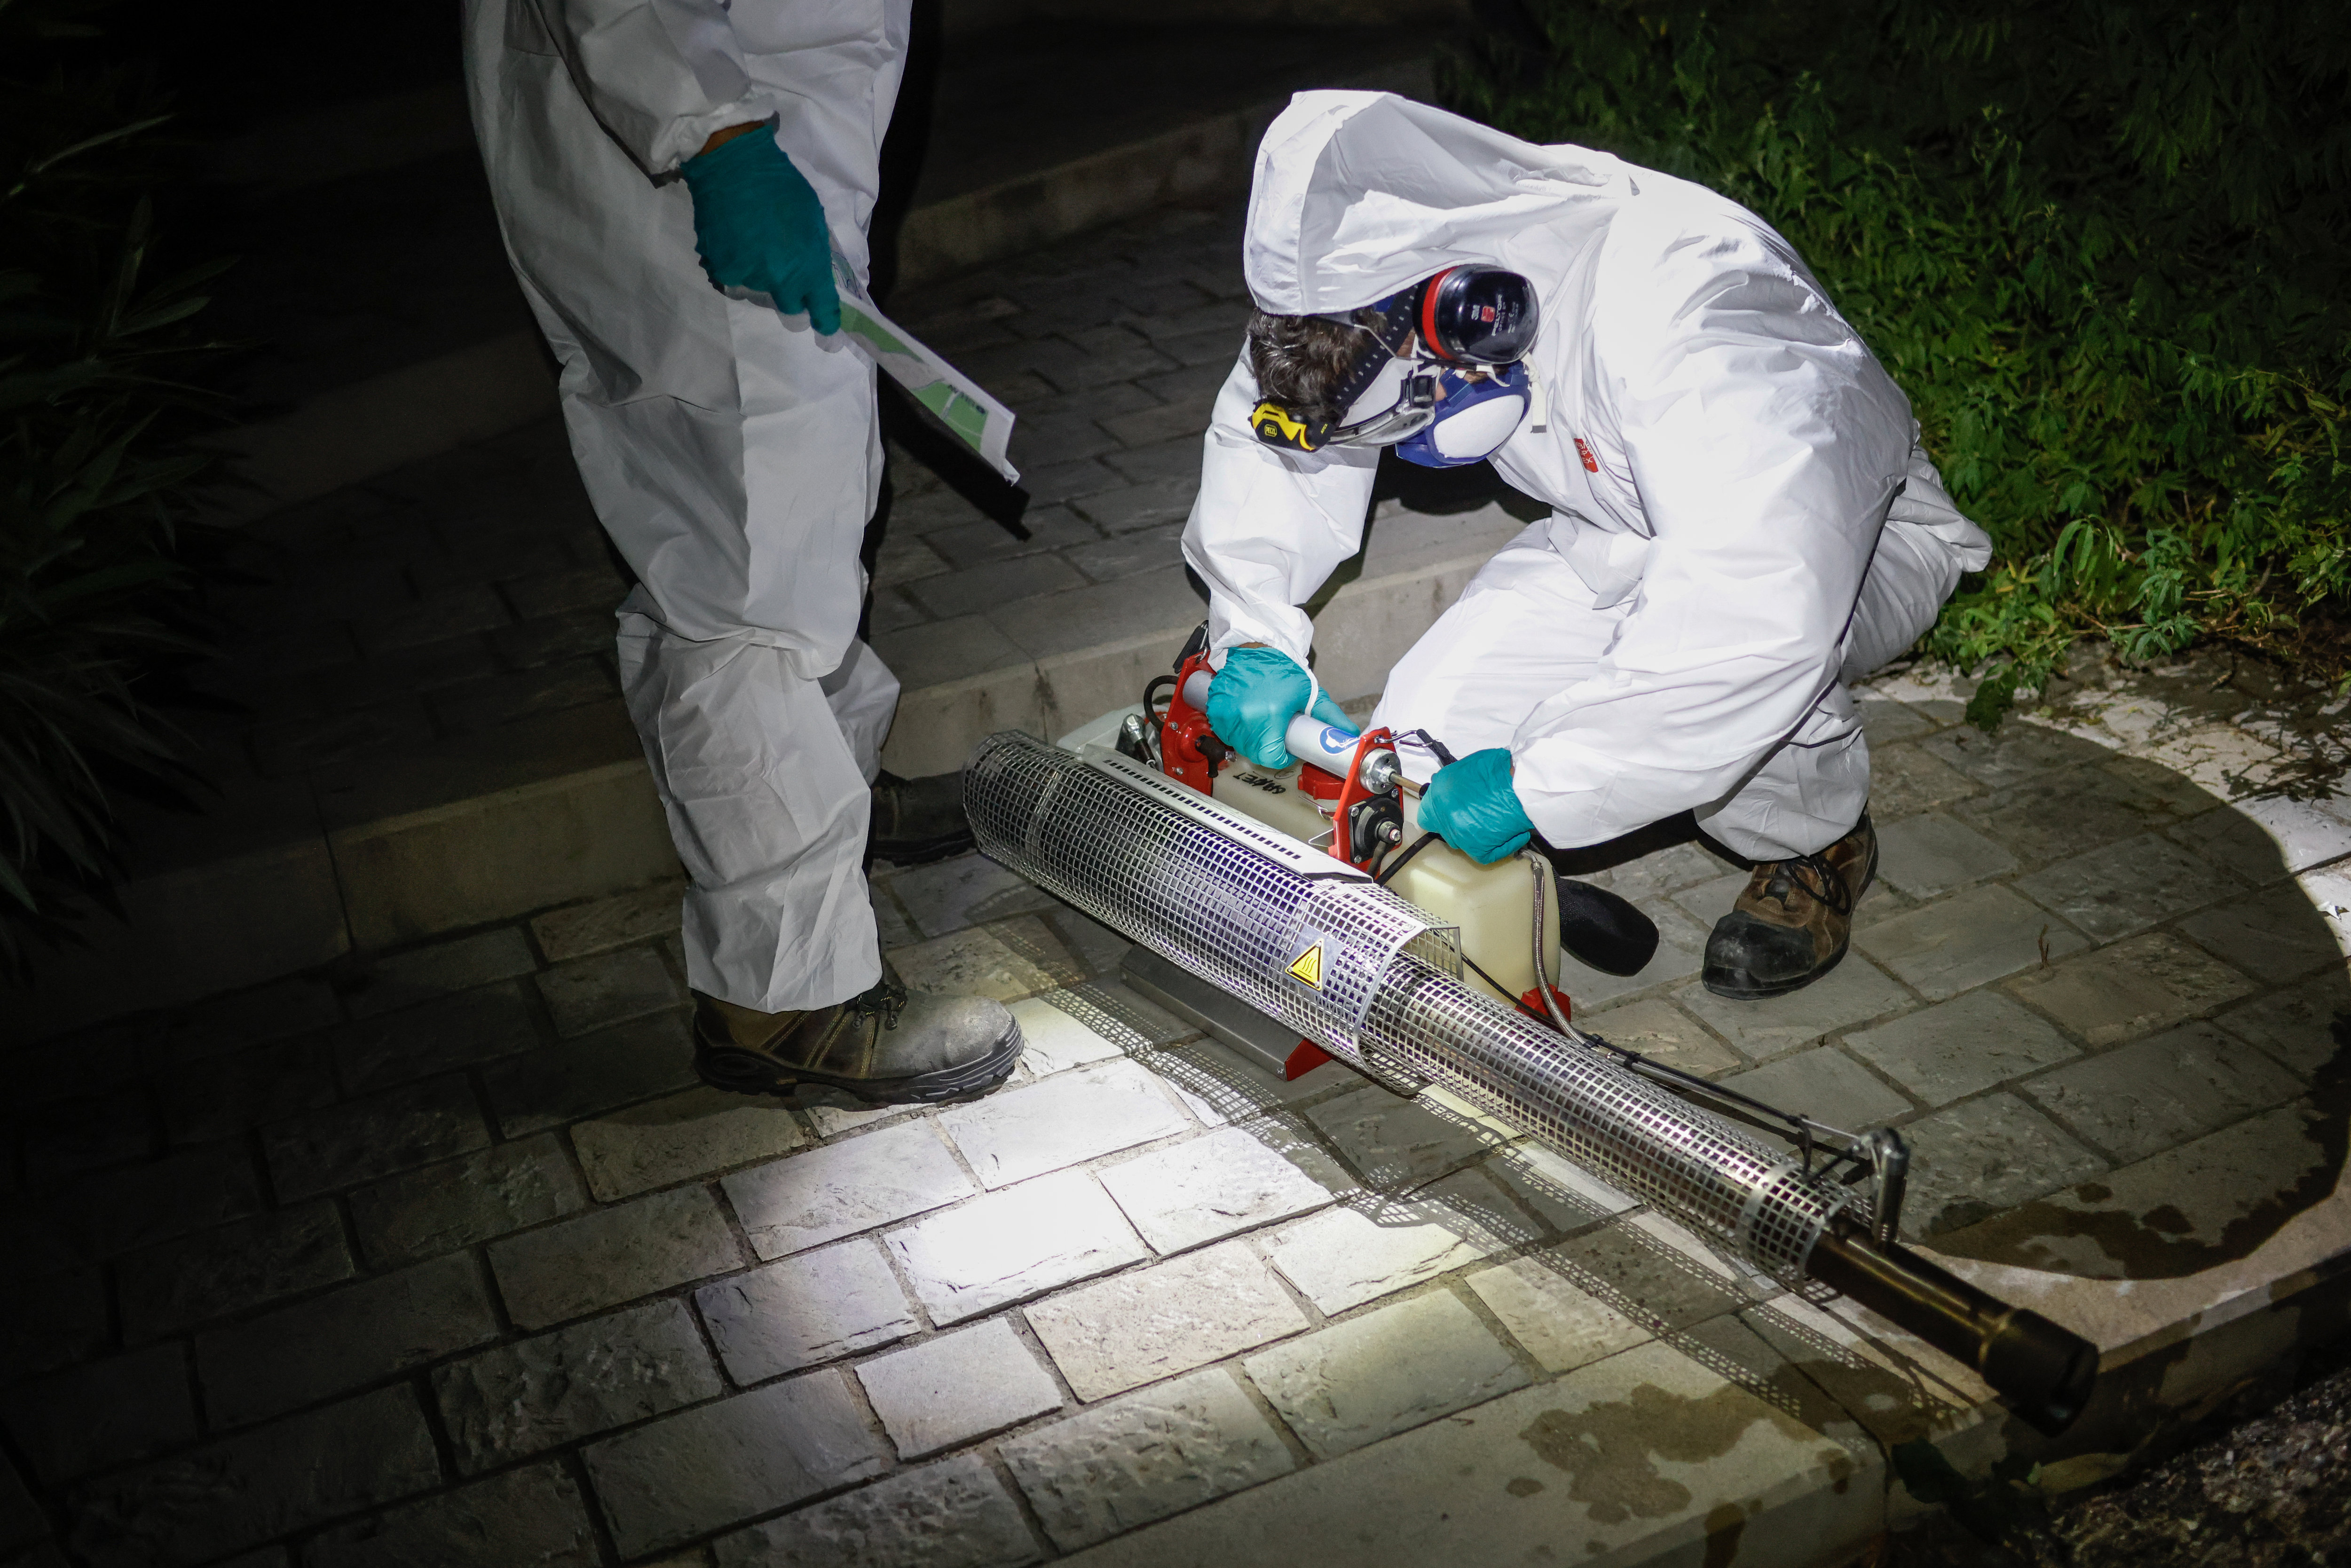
(1742, 519)
(730, 453)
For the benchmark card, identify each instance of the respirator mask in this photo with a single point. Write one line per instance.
(1438, 377)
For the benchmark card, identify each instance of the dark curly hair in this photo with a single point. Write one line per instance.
(1300, 361)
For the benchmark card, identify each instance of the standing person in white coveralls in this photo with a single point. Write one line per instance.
(672, 177)
(1743, 521)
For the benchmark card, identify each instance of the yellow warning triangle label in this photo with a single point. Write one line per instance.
(1309, 966)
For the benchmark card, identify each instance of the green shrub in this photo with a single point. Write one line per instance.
(2102, 245)
(93, 466)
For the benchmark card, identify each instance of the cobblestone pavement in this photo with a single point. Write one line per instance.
(451, 1261)
(471, 593)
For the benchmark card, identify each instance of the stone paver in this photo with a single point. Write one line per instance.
(1658, 1028)
(501, 1189)
(1962, 942)
(1826, 1085)
(608, 923)
(1233, 1179)
(594, 993)
(2267, 838)
(1399, 1144)
(1931, 854)
(1954, 1049)
(612, 1255)
(717, 1465)
(2140, 1099)
(1977, 1159)
(2275, 935)
(354, 1335)
(980, 962)
(2125, 888)
(1560, 1325)
(423, 973)
(94, 1417)
(809, 1309)
(1016, 1133)
(1150, 1454)
(1149, 1324)
(551, 1389)
(183, 1283)
(958, 1387)
(2131, 988)
(1853, 992)
(674, 1140)
(2296, 1026)
(455, 1031)
(531, 1515)
(1013, 1244)
(842, 1189)
(1648, 1271)
(368, 1138)
(1565, 1196)
(244, 1491)
(969, 890)
(1344, 1257)
(1390, 1370)
(549, 1086)
(1054, 1041)
(952, 1514)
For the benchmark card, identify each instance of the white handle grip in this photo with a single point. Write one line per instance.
(1326, 746)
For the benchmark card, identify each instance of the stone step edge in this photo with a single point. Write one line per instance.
(355, 432)
(260, 914)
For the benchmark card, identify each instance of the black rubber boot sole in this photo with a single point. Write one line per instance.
(741, 1072)
(1741, 986)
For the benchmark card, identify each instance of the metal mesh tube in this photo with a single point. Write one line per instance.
(1136, 854)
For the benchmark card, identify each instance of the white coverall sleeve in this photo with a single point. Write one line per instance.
(1270, 525)
(660, 75)
(1766, 444)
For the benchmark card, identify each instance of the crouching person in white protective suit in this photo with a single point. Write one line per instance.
(1742, 519)
(672, 177)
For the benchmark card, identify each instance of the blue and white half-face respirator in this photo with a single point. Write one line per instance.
(1438, 377)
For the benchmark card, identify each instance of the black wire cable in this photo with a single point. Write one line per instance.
(1397, 864)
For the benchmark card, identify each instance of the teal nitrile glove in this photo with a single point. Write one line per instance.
(1472, 807)
(758, 225)
(1254, 698)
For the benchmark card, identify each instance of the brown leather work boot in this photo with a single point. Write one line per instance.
(883, 1046)
(1792, 924)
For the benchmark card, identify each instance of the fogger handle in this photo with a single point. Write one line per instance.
(1326, 746)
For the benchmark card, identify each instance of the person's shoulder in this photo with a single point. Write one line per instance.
(1667, 222)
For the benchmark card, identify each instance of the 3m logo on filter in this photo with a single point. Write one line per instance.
(1307, 966)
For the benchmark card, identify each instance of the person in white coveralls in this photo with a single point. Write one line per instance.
(1742, 519)
(673, 178)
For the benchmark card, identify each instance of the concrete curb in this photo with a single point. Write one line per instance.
(563, 808)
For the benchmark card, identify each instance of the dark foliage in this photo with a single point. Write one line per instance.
(2100, 243)
(93, 465)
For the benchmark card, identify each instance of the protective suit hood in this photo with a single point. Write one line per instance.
(1358, 193)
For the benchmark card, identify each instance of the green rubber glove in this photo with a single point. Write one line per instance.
(1472, 807)
(1254, 698)
(759, 226)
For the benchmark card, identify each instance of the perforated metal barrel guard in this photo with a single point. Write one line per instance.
(1232, 901)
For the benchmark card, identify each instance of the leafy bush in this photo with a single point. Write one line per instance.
(2102, 244)
(92, 469)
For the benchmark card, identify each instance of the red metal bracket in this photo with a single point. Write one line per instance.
(1181, 757)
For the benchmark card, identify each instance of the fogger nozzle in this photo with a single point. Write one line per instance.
(1240, 906)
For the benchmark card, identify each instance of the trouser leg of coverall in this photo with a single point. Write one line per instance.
(1526, 627)
(764, 776)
